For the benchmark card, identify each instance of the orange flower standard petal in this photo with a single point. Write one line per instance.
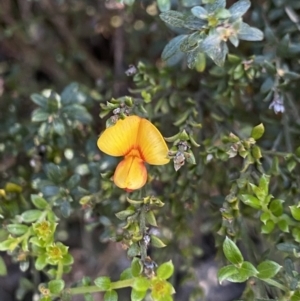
(139, 141)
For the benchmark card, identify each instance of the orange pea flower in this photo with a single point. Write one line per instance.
(140, 142)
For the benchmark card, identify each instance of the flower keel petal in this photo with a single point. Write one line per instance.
(131, 173)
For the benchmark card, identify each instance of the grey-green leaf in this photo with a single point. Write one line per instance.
(172, 47)
(39, 99)
(238, 9)
(215, 48)
(215, 5)
(194, 23)
(39, 115)
(30, 216)
(164, 5)
(199, 12)
(249, 33)
(17, 229)
(173, 18)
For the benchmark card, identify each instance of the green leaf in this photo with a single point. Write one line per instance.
(126, 274)
(17, 229)
(122, 215)
(296, 296)
(54, 172)
(172, 47)
(267, 85)
(111, 296)
(192, 57)
(215, 48)
(150, 217)
(40, 100)
(137, 295)
(244, 272)
(72, 94)
(38, 201)
(296, 234)
(191, 42)
(268, 269)
(250, 200)
(129, 2)
(258, 131)
(291, 75)
(270, 67)
(199, 12)
(67, 259)
(39, 115)
(65, 208)
(164, 5)
(45, 298)
(59, 127)
(268, 227)
(12, 187)
(295, 212)
(136, 267)
(87, 297)
(226, 272)
(103, 283)
(238, 9)
(73, 181)
(31, 216)
(173, 18)
(56, 286)
(156, 242)
(9, 244)
(3, 270)
(265, 216)
(283, 225)
(141, 284)
(249, 33)
(291, 165)
(248, 269)
(200, 65)
(259, 193)
(134, 250)
(40, 262)
(232, 252)
(289, 267)
(77, 112)
(166, 270)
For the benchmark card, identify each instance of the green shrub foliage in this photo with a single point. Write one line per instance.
(219, 79)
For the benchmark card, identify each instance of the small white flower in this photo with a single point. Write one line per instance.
(277, 104)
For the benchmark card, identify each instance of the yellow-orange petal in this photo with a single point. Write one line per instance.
(131, 173)
(120, 138)
(151, 144)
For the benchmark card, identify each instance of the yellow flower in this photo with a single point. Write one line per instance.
(140, 142)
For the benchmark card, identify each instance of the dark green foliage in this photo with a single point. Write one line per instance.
(231, 121)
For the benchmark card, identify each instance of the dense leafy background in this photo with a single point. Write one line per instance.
(62, 61)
